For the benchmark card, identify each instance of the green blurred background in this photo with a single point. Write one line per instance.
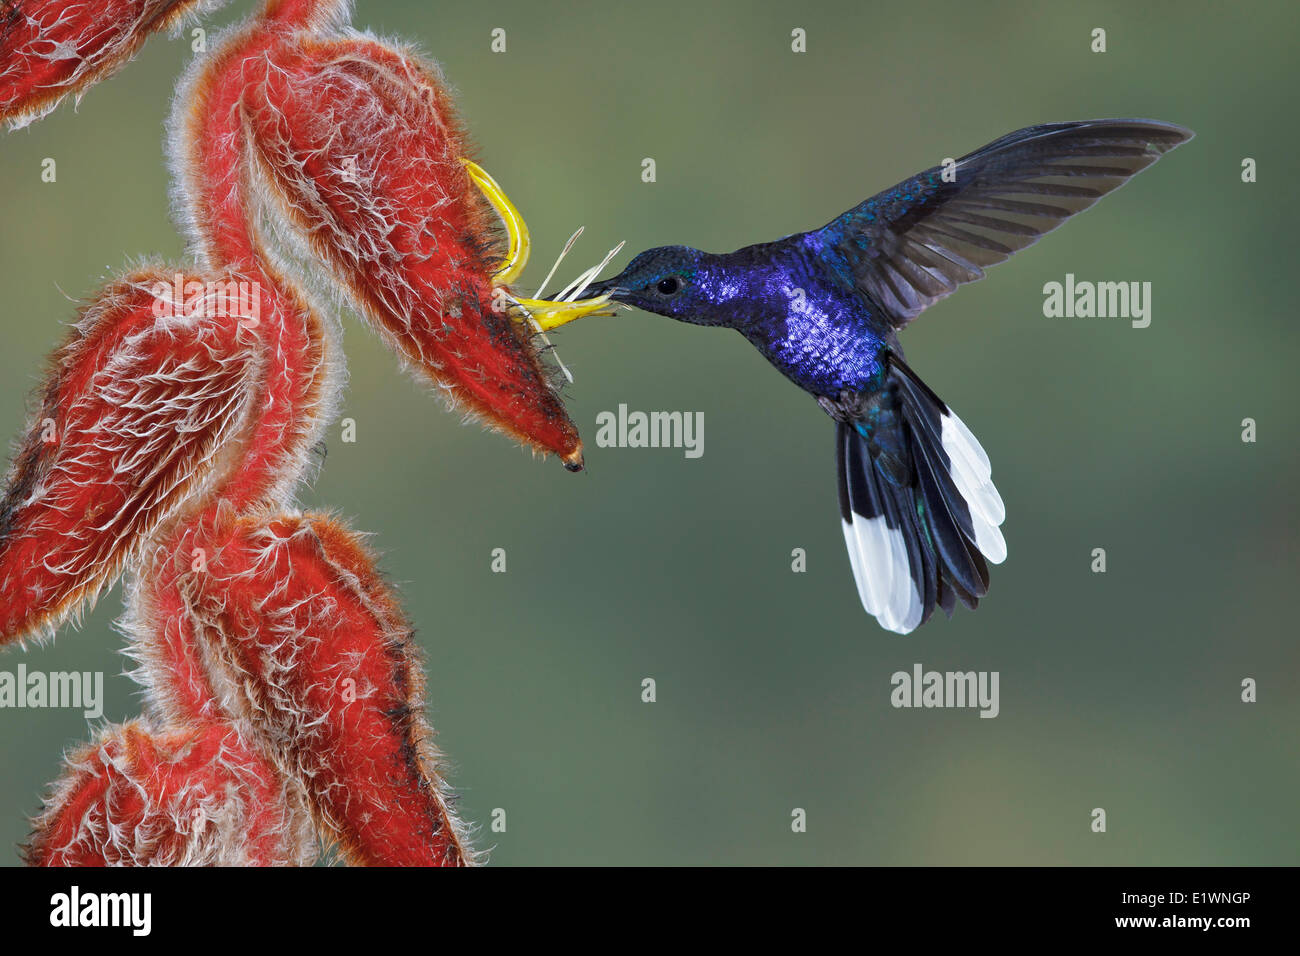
(1118, 690)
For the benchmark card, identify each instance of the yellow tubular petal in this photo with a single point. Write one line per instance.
(549, 314)
(520, 245)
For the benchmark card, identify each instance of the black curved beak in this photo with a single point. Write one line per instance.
(602, 287)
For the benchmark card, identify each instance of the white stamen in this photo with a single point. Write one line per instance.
(570, 292)
(589, 276)
(563, 252)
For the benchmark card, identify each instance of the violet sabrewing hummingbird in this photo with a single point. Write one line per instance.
(920, 514)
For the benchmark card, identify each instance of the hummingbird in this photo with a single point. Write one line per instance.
(920, 514)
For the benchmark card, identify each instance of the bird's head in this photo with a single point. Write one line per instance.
(668, 280)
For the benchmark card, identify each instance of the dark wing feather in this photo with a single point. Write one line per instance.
(916, 243)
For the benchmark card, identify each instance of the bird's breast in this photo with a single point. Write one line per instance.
(823, 338)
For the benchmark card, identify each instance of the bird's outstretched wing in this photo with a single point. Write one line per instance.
(915, 243)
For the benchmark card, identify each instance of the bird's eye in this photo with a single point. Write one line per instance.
(669, 285)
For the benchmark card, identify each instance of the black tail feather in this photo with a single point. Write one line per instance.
(919, 543)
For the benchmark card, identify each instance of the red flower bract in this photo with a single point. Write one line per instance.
(283, 688)
(50, 48)
(308, 650)
(196, 796)
(363, 148)
(138, 412)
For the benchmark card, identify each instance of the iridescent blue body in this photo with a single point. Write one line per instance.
(920, 513)
(799, 310)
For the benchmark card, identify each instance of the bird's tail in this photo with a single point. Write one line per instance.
(920, 513)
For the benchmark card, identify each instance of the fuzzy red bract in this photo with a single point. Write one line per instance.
(309, 650)
(139, 411)
(283, 687)
(198, 796)
(364, 147)
(50, 48)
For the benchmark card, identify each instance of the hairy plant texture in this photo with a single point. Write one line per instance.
(50, 48)
(360, 146)
(180, 797)
(282, 684)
